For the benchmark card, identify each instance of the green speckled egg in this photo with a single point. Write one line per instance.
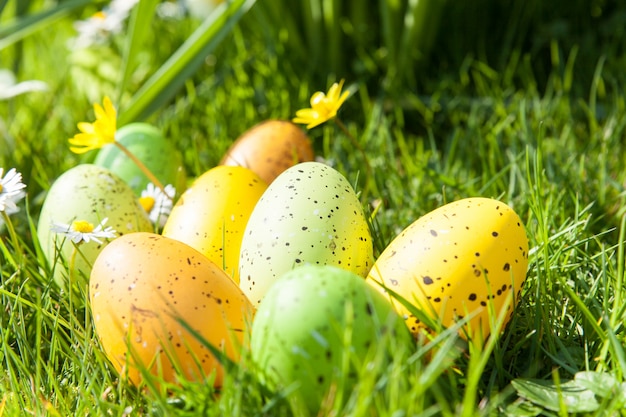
(148, 144)
(456, 261)
(316, 326)
(308, 215)
(91, 193)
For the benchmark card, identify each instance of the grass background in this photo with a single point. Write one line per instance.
(517, 100)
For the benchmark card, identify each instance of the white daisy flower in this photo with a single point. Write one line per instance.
(99, 27)
(11, 190)
(83, 231)
(201, 9)
(9, 87)
(171, 10)
(157, 204)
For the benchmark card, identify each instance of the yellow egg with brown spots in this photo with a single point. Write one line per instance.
(147, 291)
(455, 262)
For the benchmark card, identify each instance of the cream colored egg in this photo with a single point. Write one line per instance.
(310, 214)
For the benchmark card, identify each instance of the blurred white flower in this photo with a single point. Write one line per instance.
(83, 231)
(170, 10)
(200, 9)
(157, 204)
(98, 28)
(11, 190)
(9, 87)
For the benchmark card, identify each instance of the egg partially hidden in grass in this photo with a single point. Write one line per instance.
(85, 193)
(464, 259)
(149, 293)
(146, 143)
(317, 331)
(269, 148)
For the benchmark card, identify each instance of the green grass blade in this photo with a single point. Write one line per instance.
(23, 27)
(162, 86)
(421, 23)
(3, 4)
(138, 28)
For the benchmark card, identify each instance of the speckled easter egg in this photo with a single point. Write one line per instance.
(456, 261)
(147, 144)
(90, 193)
(146, 291)
(310, 214)
(316, 326)
(269, 148)
(212, 214)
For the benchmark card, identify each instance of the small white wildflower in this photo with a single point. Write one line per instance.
(11, 190)
(157, 204)
(201, 9)
(83, 231)
(99, 27)
(170, 10)
(9, 87)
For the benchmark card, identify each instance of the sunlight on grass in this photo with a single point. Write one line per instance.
(435, 115)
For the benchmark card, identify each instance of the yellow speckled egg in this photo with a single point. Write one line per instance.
(142, 286)
(212, 214)
(269, 148)
(455, 261)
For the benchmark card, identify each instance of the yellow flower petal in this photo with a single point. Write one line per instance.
(335, 91)
(323, 106)
(85, 127)
(317, 98)
(99, 133)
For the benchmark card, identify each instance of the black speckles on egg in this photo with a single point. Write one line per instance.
(478, 251)
(323, 215)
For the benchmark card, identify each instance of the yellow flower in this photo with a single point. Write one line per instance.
(323, 106)
(99, 133)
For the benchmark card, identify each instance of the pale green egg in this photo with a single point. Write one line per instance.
(86, 193)
(309, 214)
(315, 330)
(155, 151)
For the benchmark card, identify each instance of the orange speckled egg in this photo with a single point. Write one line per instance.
(269, 148)
(455, 262)
(212, 214)
(142, 286)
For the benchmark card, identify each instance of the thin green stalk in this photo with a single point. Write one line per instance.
(14, 239)
(143, 168)
(356, 144)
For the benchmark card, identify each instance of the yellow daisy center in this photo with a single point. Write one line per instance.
(100, 15)
(147, 203)
(82, 226)
(1, 188)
